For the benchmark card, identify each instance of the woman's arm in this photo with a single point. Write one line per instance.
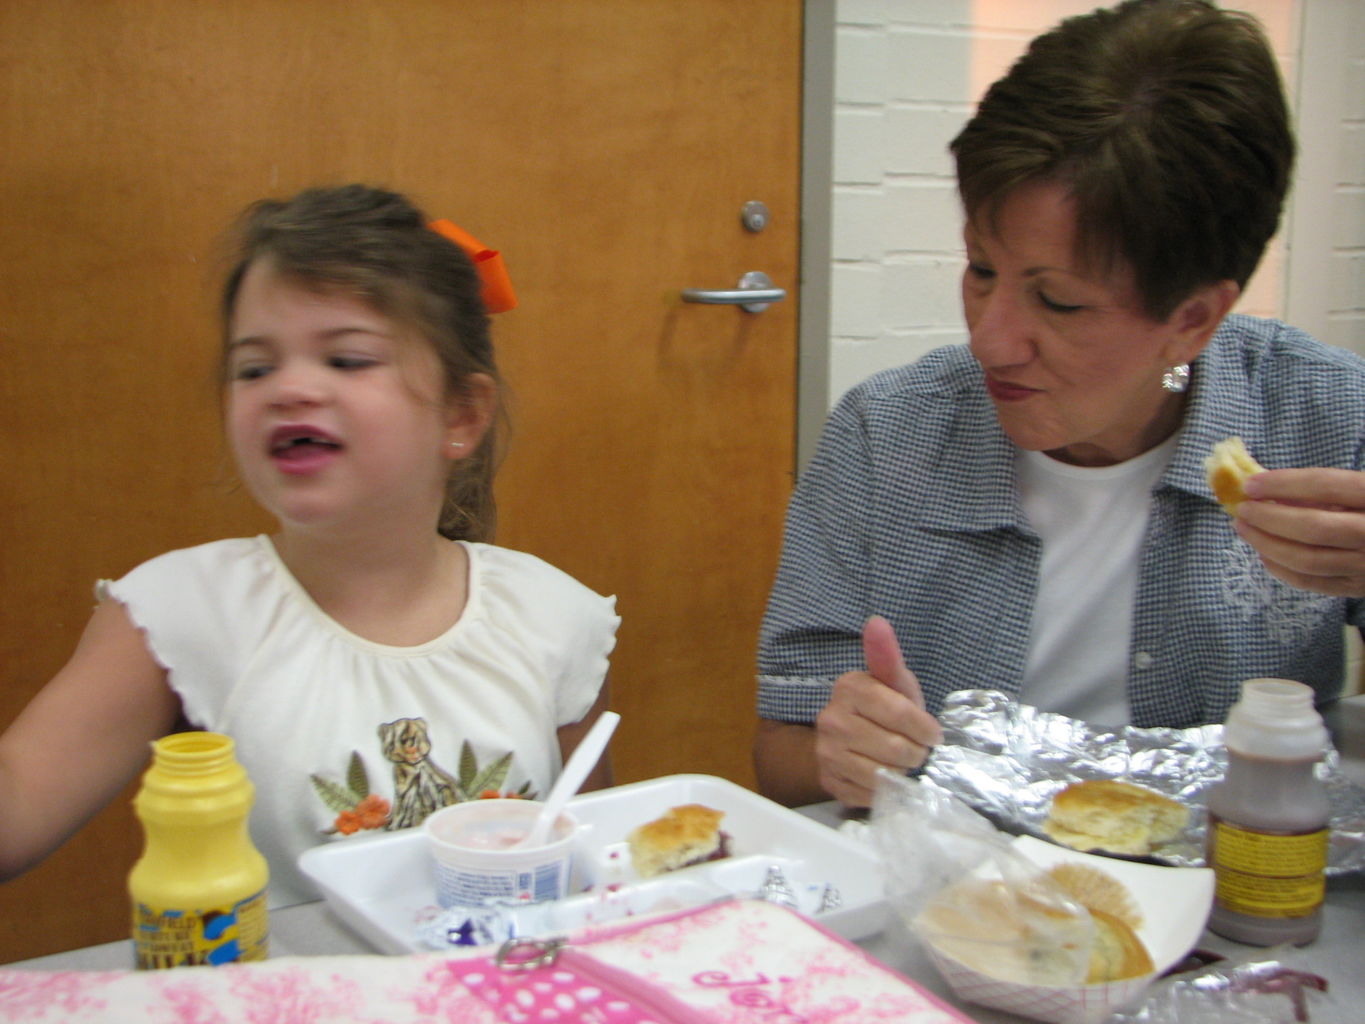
(785, 765)
(571, 735)
(81, 739)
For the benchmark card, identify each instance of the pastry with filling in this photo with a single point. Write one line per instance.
(1117, 817)
(686, 835)
(1002, 934)
(1227, 467)
(1117, 952)
(1084, 931)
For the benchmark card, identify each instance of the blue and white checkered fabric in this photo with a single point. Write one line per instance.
(909, 510)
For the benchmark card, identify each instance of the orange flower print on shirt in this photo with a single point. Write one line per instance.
(371, 812)
(357, 808)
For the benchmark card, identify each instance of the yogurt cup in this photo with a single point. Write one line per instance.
(477, 863)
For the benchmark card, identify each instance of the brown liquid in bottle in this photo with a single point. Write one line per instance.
(1267, 829)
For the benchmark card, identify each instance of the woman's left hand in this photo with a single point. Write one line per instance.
(1308, 526)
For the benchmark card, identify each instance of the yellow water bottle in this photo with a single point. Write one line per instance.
(198, 891)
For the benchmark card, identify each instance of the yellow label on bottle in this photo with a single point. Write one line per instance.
(170, 937)
(1267, 874)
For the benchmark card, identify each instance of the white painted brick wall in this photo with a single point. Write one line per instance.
(1347, 297)
(907, 75)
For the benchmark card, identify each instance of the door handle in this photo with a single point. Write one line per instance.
(753, 294)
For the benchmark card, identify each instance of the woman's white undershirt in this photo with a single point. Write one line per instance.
(1092, 521)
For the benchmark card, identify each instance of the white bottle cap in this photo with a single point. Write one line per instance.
(1275, 718)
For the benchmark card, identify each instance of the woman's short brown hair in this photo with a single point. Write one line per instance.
(1166, 120)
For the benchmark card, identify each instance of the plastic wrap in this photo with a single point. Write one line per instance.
(966, 892)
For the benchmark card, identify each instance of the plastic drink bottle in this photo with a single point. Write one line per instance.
(1268, 819)
(198, 891)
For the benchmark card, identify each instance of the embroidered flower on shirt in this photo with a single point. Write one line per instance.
(357, 808)
(1287, 613)
(487, 783)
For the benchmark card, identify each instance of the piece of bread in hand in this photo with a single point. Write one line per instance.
(1118, 817)
(687, 834)
(1227, 468)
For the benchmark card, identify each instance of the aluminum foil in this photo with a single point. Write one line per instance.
(1008, 759)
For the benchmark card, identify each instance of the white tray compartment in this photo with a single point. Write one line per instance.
(381, 885)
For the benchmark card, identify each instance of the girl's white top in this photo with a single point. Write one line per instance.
(341, 735)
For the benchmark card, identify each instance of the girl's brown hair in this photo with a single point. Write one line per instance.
(376, 244)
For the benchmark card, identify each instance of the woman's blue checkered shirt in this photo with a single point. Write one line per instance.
(909, 509)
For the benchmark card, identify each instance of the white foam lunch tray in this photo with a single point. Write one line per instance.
(381, 886)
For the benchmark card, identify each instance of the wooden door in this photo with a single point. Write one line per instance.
(605, 146)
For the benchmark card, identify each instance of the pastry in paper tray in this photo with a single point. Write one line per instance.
(1079, 925)
(1036, 957)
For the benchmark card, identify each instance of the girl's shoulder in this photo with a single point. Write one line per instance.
(219, 560)
(532, 590)
(521, 601)
(520, 572)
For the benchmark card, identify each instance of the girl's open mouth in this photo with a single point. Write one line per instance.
(302, 449)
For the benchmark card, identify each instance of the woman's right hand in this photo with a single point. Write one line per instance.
(874, 719)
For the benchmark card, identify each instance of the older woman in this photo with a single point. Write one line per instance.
(1029, 512)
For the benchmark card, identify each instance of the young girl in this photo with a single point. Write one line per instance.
(373, 659)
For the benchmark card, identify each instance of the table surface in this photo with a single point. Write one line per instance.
(310, 929)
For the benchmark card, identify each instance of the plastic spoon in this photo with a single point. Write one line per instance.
(581, 763)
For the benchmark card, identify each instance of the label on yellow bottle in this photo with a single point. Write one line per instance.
(1268, 874)
(169, 937)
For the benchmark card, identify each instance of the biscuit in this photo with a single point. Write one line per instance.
(1118, 817)
(686, 835)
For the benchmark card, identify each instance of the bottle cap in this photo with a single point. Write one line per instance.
(1275, 718)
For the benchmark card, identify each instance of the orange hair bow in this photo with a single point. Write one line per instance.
(496, 290)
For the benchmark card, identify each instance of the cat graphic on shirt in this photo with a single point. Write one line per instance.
(420, 785)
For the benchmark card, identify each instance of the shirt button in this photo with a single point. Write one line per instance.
(1142, 660)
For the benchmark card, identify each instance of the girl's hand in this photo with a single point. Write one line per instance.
(874, 719)
(1308, 526)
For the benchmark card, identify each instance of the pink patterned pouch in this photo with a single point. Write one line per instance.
(734, 962)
